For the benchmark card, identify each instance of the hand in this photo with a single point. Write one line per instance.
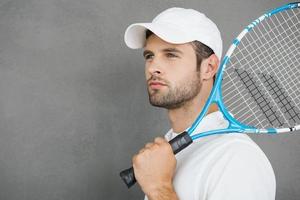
(154, 166)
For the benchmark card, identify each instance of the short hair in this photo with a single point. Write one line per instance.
(202, 51)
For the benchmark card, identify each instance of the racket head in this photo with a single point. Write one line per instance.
(257, 84)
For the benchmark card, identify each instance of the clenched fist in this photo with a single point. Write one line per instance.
(154, 167)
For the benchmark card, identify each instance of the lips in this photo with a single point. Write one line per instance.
(156, 84)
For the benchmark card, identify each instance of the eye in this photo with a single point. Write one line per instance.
(171, 55)
(148, 56)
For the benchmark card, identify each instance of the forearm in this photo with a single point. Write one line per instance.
(163, 193)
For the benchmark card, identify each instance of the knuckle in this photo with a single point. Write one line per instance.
(155, 146)
(142, 150)
(134, 158)
(158, 139)
(148, 145)
(167, 146)
(137, 158)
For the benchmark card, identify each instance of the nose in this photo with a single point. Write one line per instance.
(154, 68)
(155, 72)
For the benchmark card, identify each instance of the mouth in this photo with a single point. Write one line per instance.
(156, 84)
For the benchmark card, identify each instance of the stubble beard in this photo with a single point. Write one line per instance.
(177, 95)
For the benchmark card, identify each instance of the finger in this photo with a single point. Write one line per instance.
(148, 145)
(160, 140)
(142, 150)
(134, 158)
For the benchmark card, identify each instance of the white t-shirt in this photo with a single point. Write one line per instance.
(222, 167)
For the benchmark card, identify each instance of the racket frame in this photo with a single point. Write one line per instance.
(216, 92)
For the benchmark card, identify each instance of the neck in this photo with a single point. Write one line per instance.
(183, 117)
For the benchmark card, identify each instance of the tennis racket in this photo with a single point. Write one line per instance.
(257, 86)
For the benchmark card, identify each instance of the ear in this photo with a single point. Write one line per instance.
(209, 67)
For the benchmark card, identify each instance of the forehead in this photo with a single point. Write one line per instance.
(154, 43)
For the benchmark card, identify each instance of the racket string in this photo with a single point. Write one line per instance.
(258, 100)
(281, 97)
(285, 68)
(262, 101)
(293, 75)
(246, 47)
(273, 54)
(285, 82)
(244, 100)
(267, 61)
(270, 39)
(280, 51)
(275, 73)
(238, 91)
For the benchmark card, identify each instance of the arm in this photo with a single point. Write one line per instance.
(154, 167)
(164, 193)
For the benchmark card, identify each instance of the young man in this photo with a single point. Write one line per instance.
(182, 50)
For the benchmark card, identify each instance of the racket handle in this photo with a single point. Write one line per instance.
(128, 177)
(178, 143)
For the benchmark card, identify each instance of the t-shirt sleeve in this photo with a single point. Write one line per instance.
(242, 172)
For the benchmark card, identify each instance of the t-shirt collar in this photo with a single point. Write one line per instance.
(214, 120)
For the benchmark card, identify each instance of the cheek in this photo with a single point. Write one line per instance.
(179, 77)
(185, 70)
(147, 73)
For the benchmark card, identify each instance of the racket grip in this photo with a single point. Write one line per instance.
(128, 177)
(178, 143)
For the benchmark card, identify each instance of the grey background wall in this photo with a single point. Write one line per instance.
(73, 105)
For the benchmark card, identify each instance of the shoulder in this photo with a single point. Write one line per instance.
(232, 152)
(238, 168)
(240, 151)
(231, 144)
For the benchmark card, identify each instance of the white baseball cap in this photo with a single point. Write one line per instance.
(177, 26)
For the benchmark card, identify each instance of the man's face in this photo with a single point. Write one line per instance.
(170, 69)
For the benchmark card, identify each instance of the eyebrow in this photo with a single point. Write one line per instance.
(167, 50)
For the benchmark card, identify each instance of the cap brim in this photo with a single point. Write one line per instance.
(135, 34)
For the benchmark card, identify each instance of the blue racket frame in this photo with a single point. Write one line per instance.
(216, 93)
